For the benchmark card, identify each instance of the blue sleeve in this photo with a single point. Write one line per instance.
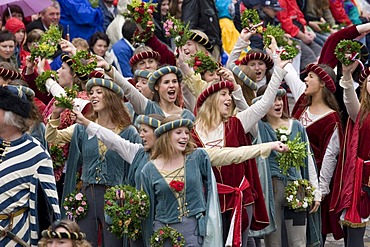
(82, 12)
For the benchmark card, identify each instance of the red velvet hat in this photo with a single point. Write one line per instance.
(142, 55)
(258, 56)
(10, 74)
(213, 89)
(325, 77)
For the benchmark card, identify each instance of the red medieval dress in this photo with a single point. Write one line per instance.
(319, 133)
(231, 178)
(354, 175)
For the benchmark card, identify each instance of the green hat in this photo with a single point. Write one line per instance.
(104, 83)
(280, 92)
(173, 125)
(161, 72)
(142, 73)
(143, 119)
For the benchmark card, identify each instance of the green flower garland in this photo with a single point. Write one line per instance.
(325, 27)
(75, 205)
(299, 194)
(295, 156)
(289, 48)
(249, 18)
(176, 29)
(83, 62)
(346, 50)
(167, 232)
(66, 101)
(126, 216)
(202, 62)
(41, 79)
(48, 44)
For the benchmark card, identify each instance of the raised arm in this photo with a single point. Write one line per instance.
(294, 82)
(242, 43)
(228, 155)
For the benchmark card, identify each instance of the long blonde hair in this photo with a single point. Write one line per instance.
(365, 102)
(208, 115)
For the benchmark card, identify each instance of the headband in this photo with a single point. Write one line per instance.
(325, 77)
(242, 76)
(279, 93)
(143, 119)
(173, 125)
(213, 89)
(258, 56)
(161, 72)
(203, 41)
(143, 55)
(142, 73)
(10, 74)
(63, 235)
(104, 83)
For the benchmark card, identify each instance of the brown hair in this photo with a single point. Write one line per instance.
(33, 36)
(80, 44)
(162, 147)
(328, 97)
(365, 102)
(260, 92)
(117, 111)
(70, 226)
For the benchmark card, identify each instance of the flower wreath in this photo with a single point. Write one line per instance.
(75, 205)
(202, 62)
(141, 13)
(288, 48)
(83, 56)
(167, 232)
(249, 18)
(41, 79)
(48, 44)
(176, 29)
(295, 156)
(126, 214)
(299, 194)
(347, 51)
(66, 101)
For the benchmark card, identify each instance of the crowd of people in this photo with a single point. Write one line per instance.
(200, 128)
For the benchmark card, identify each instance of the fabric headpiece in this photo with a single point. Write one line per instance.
(279, 93)
(173, 125)
(96, 74)
(68, 60)
(203, 41)
(10, 74)
(258, 56)
(143, 119)
(242, 76)
(104, 83)
(213, 89)
(14, 25)
(63, 235)
(325, 77)
(142, 73)
(14, 99)
(143, 55)
(161, 72)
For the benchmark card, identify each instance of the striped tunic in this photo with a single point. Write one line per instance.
(24, 166)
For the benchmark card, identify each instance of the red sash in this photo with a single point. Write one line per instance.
(236, 222)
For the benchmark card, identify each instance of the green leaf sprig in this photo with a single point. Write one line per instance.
(202, 62)
(294, 158)
(83, 62)
(288, 46)
(41, 79)
(66, 101)
(48, 43)
(249, 18)
(346, 50)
